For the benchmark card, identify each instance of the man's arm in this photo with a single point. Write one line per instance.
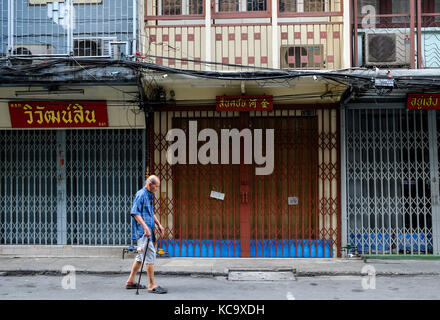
(158, 225)
(141, 221)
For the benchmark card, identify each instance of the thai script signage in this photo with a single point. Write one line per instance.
(423, 101)
(58, 114)
(244, 103)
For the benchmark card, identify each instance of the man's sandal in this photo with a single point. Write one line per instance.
(134, 286)
(158, 290)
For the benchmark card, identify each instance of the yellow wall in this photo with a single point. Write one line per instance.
(121, 115)
(294, 91)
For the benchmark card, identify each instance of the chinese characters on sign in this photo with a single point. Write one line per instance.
(244, 103)
(423, 101)
(58, 114)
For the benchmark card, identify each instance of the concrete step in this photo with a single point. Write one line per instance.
(261, 274)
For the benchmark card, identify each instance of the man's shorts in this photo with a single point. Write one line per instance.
(151, 252)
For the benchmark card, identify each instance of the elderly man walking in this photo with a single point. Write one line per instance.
(142, 228)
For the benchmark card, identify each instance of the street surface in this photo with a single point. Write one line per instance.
(99, 287)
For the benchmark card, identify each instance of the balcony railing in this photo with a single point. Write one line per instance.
(396, 34)
(309, 35)
(309, 8)
(195, 9)
(174, 9)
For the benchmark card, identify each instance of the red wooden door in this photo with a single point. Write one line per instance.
(284, 205)
(260, 216)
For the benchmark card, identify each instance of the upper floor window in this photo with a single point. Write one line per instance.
(241, 5)
(400, 7)
(180, 7)
(431, 6)
(395, 7)
(303, 5)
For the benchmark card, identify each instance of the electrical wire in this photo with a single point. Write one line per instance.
(361, 81)
(266, 73)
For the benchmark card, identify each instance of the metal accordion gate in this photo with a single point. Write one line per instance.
(392, 180)
(28, 195)
(69, 186)
(294, 212)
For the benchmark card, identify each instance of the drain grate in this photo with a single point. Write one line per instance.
(262, 275)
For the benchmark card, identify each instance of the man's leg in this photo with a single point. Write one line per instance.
(151, 259)
(150, 272)
(150, 268)
(137, 263)
(134, 270)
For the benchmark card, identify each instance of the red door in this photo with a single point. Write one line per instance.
(278, 215)
(205, 226)
(284, 205)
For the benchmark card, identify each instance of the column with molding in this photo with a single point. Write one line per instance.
(209, 6)
(275, 44)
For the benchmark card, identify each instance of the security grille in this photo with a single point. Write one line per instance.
(58, 24)
(69, 186)
(105, 169)
(255, 217)
(28, 197)
(388, 181)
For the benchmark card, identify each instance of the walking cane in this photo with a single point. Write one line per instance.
(142, 267)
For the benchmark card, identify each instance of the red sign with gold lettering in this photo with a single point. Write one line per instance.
(423, 101)
(244, 103)
(58, 114)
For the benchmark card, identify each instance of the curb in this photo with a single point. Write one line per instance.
(6, 273)
(18, 273)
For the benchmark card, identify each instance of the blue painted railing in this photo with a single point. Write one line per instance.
(259, 248)
(382, 242)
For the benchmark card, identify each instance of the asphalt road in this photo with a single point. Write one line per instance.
(109, 287)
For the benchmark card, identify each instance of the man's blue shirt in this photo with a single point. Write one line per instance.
(143, 206)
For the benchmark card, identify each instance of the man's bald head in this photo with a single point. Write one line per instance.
(153, 179)
(152, 183)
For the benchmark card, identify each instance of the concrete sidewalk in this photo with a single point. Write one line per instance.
(17, 260)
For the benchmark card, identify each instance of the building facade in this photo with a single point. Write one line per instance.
(354, 164)
(294, 211)
(391, 153)
(377, 180)
(72, 135)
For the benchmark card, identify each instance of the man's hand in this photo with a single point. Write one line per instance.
(160, 229)
(147, 232)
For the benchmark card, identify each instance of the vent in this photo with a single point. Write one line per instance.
(302, 57)
(387, 49)
(23, 50)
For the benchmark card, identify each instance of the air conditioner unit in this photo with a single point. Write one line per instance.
(92, 47)
(23, 50)
(302, 57)
(387, 49)
(119, 49)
